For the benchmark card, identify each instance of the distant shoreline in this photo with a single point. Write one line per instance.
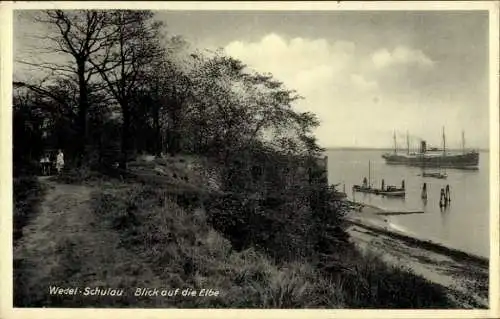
(351, 148)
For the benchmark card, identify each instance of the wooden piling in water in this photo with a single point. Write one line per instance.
(424, 191)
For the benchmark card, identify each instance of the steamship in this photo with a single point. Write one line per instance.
(434, 157)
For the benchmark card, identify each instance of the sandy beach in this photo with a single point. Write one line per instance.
(464, 275)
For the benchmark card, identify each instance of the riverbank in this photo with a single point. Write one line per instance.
(125, 232)
(464, 275)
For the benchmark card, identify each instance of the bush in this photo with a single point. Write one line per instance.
(367, 282)
(281, 224)
(280, 231)
(24, 167)
(184, 251)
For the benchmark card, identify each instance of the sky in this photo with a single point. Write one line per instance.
(365, 74)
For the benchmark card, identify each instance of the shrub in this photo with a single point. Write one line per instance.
(368, 282)
(281, 224)
(184, 251)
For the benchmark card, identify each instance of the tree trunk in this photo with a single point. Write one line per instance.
(174, 136)
(157, 128)
(100, 150)
(172, 141)
(125, 136)
(82, 114)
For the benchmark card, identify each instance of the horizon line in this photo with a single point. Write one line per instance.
(391, 148)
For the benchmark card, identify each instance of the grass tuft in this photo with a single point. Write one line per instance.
(28, 193)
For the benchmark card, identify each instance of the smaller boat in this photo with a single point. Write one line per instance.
(336, 193)
(435, 175)
(390, 191)
(393, 191)
(364, 189)
(440, 175)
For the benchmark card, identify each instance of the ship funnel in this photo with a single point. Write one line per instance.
(423, 147)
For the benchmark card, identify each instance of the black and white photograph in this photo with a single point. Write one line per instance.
(252, 156)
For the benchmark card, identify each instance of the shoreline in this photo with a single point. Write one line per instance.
(465, 275)
(369, 217)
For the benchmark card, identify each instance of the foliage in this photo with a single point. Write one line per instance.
(170, 99)
(368, 282)
(271, 236)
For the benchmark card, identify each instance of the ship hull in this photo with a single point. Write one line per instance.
(460, 161)
(389, 193)
(435, 175)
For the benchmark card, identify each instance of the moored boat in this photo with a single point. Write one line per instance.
(390, 191)
(435, 175)
(364, 189)
(336, 193)
(393, 191)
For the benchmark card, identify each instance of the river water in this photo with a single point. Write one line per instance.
(464, 225)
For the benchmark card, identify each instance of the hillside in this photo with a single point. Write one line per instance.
(133, 233)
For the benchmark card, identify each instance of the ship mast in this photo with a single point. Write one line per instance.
(369, 175)
(395, 144)
(408, 143)
(444, 143)
(463, 142)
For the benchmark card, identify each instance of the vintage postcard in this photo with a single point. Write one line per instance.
(268, 159)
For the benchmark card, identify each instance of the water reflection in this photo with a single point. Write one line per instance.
(445, 214)
(424, 203)
(467, 212)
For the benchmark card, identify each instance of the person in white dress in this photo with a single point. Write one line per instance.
(59, 161)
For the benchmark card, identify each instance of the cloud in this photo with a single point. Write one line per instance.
(308, 65)
(327, 73)
(296, 61)
(355, 93)
(361, 82)
(401, 55)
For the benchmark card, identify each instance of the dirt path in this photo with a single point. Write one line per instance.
(66, 246)
(466, 279)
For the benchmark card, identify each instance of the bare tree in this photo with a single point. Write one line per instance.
(133, 43)
(79, 34)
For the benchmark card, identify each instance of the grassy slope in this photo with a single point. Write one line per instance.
(124, 234)
(86, 236)
(27, 195)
